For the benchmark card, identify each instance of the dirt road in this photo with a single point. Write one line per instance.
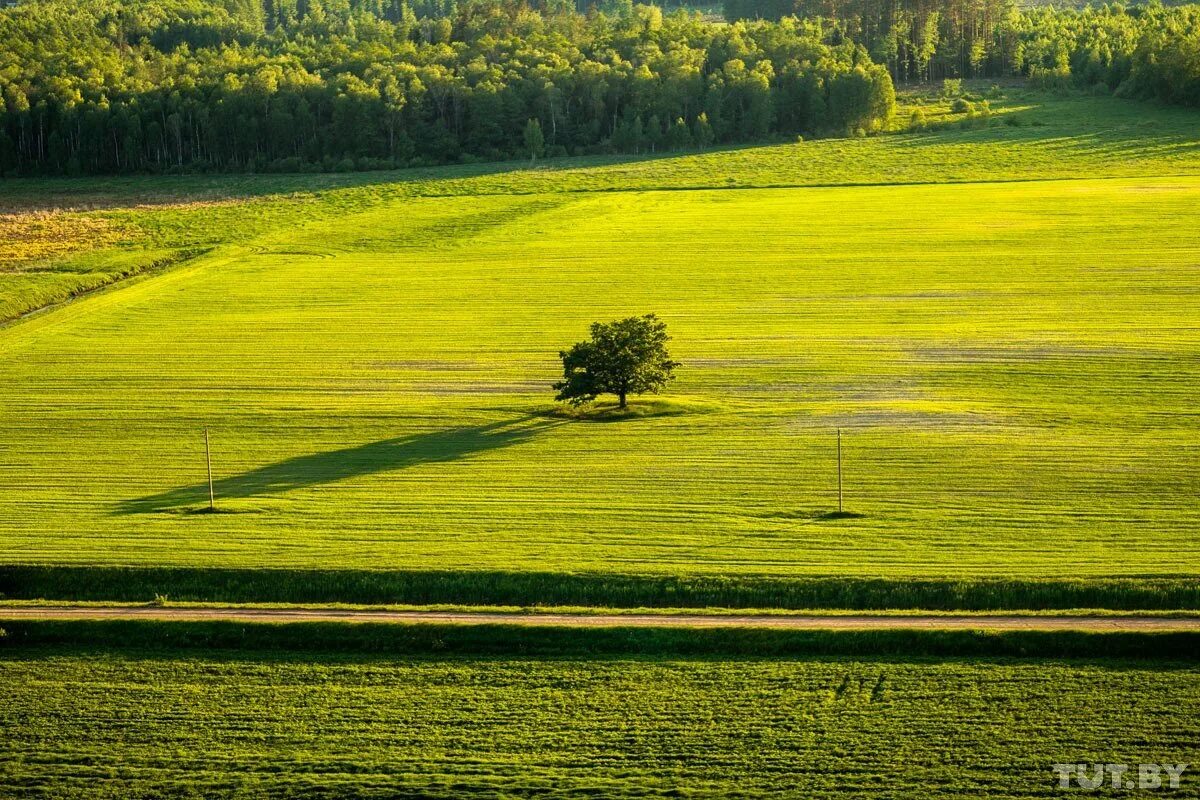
(789, 621)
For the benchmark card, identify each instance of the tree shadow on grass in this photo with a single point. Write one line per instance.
(319, 468)
(819, 515)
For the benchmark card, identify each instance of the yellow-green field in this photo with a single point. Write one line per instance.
(65, 236)
(1014, 366)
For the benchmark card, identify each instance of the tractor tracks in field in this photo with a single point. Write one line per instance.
(1012, 622)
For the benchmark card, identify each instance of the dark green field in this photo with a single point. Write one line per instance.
(87, 723)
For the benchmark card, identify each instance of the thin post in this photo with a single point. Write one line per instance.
(839, 449)
(208, 460)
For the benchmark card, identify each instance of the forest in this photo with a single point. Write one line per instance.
(1147, 51)
(106, 87)
(102, 87)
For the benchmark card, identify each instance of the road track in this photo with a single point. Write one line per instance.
(1097, 623)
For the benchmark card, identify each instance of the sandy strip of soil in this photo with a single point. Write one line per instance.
(792, 622)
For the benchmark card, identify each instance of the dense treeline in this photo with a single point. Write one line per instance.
(916, 39)
(1151, 52)
(1146, 51)
(103, 86)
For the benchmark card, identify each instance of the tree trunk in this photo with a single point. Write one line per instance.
(621, 399)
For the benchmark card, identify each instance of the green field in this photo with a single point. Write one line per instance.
(150, 724)
(1014, 366)
(68, 235)
(999, 315)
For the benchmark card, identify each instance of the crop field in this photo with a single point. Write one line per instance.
(977, 327)
(317, 327)
(1014, 367)
(148, 724)
(66, 236)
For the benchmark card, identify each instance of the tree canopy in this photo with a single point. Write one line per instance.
(111, 86)
(1150, 51)
(628, 356)
(104, 86)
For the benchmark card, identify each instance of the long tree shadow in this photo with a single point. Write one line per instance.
(335, 465)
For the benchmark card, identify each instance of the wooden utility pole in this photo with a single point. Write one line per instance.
(839, 470)
(208, 460)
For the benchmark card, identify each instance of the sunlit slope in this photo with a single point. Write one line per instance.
(63, 237)
(1014, 367)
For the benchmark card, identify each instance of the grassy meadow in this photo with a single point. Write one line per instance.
(136, 724)
(1013, 362)
(68, 236)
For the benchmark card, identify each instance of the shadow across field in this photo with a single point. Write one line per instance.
(126, 192)
(1103, 129)
(315, 469)
(637, 409)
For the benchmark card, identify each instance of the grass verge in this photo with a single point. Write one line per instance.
(458, 640)
(498, 588)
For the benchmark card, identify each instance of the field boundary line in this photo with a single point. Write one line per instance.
(121, 280)
(18, 331)
(546, 190)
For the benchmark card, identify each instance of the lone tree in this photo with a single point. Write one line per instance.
(625, 357)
